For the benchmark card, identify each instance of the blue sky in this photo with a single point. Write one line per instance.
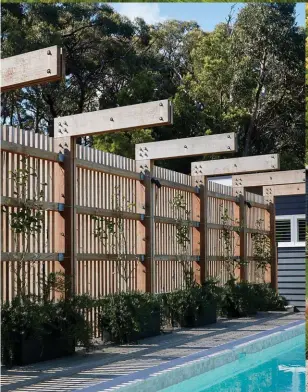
(207, 15)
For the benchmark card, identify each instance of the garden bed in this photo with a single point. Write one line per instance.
(32, 350)
(150, 328)
(206, 315)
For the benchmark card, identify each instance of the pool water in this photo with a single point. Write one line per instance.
(280, 368)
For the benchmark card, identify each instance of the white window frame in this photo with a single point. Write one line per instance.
(294, 231)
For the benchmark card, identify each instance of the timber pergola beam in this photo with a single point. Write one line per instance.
(229, 166)
(179, 148)
(132, 117)
(68, 128)
(28, 69)
(281, 183)
(146, 153)
(269, 179)
(269, 192)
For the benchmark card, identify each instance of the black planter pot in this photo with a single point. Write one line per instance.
(151, 327)
(32, 350)
(206, 315)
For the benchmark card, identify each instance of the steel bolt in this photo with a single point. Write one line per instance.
(111, 119)
(161, 119)
(48, 52)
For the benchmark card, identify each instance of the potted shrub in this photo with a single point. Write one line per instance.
(194, 306)
(36, 331)
(268, 299)
(239, 299)
(129, 316)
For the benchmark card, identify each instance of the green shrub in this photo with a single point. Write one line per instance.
(25, 318)
(124, 314)
(245, 299)
(189, 303)
(306, 330)
(268, 299)
(238, 299)
(306, 339)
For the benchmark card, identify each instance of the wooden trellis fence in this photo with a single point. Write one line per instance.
(99, 178)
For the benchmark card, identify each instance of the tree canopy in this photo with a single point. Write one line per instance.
(247, 76)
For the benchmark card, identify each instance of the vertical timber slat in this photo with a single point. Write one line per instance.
(146, 167)
(274, 264)
(204, 230)
(202, 183)
(67, 146)
(243, 238)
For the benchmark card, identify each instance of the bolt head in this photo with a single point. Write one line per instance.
(48, 71)
(161, 119)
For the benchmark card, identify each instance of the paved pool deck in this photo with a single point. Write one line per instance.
(107, 364)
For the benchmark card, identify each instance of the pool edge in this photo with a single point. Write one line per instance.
(175, 371)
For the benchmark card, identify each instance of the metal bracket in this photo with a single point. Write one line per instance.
(61, 207)
(61, 157)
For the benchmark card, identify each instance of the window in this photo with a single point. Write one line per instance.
(301, 230)
(283, 230)
(291, 230)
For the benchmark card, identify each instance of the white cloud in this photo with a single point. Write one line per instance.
(150, 12)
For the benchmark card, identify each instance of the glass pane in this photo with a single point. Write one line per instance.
(301, 230)
(283, 230)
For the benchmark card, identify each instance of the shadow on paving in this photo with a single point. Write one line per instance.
(107, 362)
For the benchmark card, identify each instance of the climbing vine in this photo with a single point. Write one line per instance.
(183, 224)
(26, 219)
(113, 234)
(261, 248)
(229, 242)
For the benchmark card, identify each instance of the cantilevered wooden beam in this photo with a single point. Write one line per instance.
(201, 145)
(218, 167)
(123, 118)
(282, 190)
(269, 192)
(37, 67)
(269, 179)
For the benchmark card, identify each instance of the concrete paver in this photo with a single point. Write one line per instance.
(105, 363)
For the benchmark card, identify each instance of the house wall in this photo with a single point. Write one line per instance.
(291, 260)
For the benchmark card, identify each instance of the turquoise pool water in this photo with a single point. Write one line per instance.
(280, 368)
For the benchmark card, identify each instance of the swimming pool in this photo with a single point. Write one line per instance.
(280, 368)
(269, 361)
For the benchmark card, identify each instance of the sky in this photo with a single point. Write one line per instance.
(207, 15)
